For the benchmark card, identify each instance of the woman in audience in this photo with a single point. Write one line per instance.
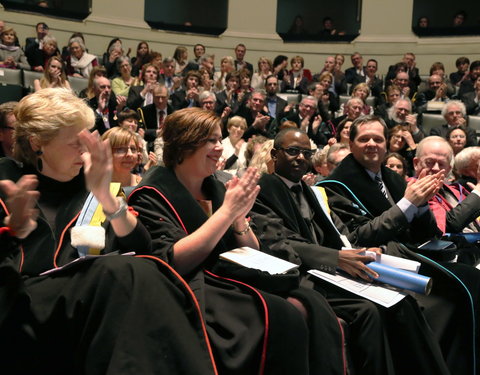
(88, 92)
(11, 56)
(121, 85)
(114, 51)
(361, 91)
(142, 57)
(280, 64)
(207, 79)
(54, 76)
(265, 68)
(392, 94)
(396, 163)
(226, 66)
(245, 89)
(400, 140)
(332, 104)
(94, 315)
(339, 60)
(343, 132)
(79, 62)
(39, 58)
(181, 59)
(234, 146)
(457, 138)
(298, 78)
(262, 159)
(193, 218)
(126, 155)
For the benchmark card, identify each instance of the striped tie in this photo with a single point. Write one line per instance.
(380, 184)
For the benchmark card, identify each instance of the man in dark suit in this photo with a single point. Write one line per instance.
(291, 222)
(356, 70)
(379, 208)
(370, 78)
(240, 63)
(153, 115)
(42, 29)
(413, 73)
(472, 99)
(274, 104)
(188, 96)
(194, 64)
(105, 104)
(142, 95)
(454, 113)
(468, 84)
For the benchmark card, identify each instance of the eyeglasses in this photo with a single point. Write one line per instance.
(295, 151)
(124, 150)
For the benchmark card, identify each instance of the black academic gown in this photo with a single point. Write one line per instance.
(281, 225)
(94, 316)
(374, 221)
(170, 213)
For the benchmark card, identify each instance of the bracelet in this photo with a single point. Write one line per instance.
(242, 232)
(122, 209)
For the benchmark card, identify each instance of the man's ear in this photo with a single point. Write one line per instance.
(273, 154)
(416, 160)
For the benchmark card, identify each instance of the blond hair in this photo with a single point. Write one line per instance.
(42, 114)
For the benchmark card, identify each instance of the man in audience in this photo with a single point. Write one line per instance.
(402, 80)
(454, 208)
(462, 64)
(274, 104)
(188, 96)
(42, 30)
(153, 115)
(468, 84)
(379, 209)
(356, 70)
(412, 70)
(437, 92)
(353, 109)
(339, 84)
(240, 63)
(258, 121)
(472, 99)
(168, 77)
(336, 153)
(309, 121)
(401, 114)
(317, 90)
(454, 113)
(229, 96)
(142, 95)
(105, 104)
(370, 78)
(292, 223)
(7, 126)
(194, 64)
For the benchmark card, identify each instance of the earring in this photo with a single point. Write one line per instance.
(39, 160)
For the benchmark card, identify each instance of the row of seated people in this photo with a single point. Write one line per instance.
(175, 306)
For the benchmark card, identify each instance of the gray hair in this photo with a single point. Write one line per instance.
(451, 103)
(465, 157)
(206, 94)
(77, 40)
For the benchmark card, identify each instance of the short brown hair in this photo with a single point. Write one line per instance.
(185, 131)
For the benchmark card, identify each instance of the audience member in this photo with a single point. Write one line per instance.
(11, 55)
(396, 163)
(462, 64)
(54, 75)
(275, 106)
(7, 127)
(296, 81)
(454, 113)
(121, 84)
(356, 70)
(41, 30)
(240, 63)
(89, 92)
(374, 83)
(141, 58)
(234, 146)
(181, 58)
(265, 69)
(141, 93)
(187, 96)
(457, 138)
(79, 62)
(226, 66)
(468, 84)
(38, 58)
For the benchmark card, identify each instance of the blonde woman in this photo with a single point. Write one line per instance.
(54, 76)
(227, 65)
(265, 68)
(234, 146)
